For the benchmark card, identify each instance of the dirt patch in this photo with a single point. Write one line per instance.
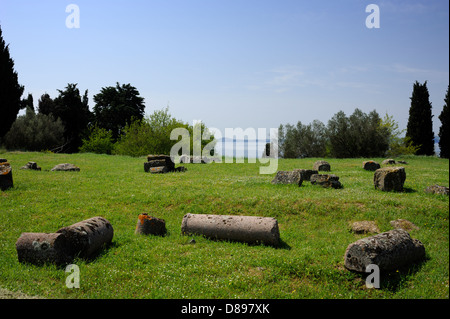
(7, 294)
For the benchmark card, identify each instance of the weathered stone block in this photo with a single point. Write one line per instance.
(305, 174)
(365, 226)
(31, 166)
(322, 166)
(371, 165)
(66, 167)
(288, 177)
(389, 178)
(149, 225)
(326, 180)
(389, 251)
(6, 178)
(437, 189)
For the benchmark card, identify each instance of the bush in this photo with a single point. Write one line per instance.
(99, 142)
(35, 132)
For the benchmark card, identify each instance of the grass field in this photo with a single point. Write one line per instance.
(314, 228)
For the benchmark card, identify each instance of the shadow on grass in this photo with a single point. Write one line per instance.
(281, 244)
(395, 280)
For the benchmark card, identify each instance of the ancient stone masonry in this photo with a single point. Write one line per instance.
(149, 225)
(364, 227)
(389, 251)
(6, 178)
(31, 166)
(66, 167)
(388, 161)
(160, 164)
(437, 189)
(305, 174)
(249, 229)
(322, 166)
(288, 177)
(389, 178)
(371, 165)
(326, 180)
(403, 224)
(84, 239)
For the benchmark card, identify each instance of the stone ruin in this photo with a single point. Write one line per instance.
(6, 178)
(149, 225)
(389, 251)
(437, 189)
(389, 178)
(297, 176)
(84, 239)
(66, 167)
(160, 164)
(322, 166)
(31, 166)
(326, 180)
(371, 165)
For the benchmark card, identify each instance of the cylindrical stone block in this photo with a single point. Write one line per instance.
(149, 225)
(389, 251)
(6, 178)
(40, 248)
(248, 229)
(89, 236)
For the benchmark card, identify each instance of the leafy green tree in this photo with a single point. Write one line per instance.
(35, 132)
(444, 130)
(359, 135)
(116, 107)
(398, 145)
(338, 129)
(10, 89)
(420, 121)
(150, 135)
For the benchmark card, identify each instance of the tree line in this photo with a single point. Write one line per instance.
(117, 124)
(368, 135)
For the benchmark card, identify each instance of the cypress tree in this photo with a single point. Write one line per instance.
(443, 130)
(420, 123)
(10, 90)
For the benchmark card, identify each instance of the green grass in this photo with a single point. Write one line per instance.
(313, 222)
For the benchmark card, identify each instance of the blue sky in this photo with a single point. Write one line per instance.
(237, 63)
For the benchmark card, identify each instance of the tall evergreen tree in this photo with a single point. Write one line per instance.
(73, 110)
(443, 130)
(10, 89)
(420, 121)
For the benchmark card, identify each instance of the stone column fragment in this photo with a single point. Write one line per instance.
(41, 248)
(89, 236)
(389, 251)
(248, 229)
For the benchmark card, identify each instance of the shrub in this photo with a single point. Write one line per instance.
(99, 142)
